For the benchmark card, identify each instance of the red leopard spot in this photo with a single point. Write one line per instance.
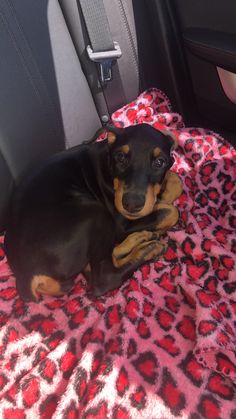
(11, 393)
(145, 272)
(224, 364)
(113, 316)
(209, 407)
(99, 306)
(91, 335)
(120, 413)
(114, 346)
(80, 382)
(168, 344)
(11, 335)
(196, 272)
(221, 236)
(230, 287)
(203, 220)
(54, 340)
(216, 314)
(55, 304)
(211, 284)
(223, 150)
(186, 327)
(227, 262)
(72, 306)
(132, 348)
(176, 270)
(68, 361)
(207, 169)
(171, 394)
(207, 299)
(101, 364)
(14, 414)
(131, 286)
(122, 382)
(170, 255)
(233, 306)
(99, 412)
(132, 309)
(224, 310)
(132, 115)
(147, 308)
(94, 388)
(47, 370)
(44, 324)
(146, 364)
(166, 283)
(30, 391)
(138, 398)
(146, 291)
(192, 369)
(222, 338)
(164, 319)
(3, 381)
(207, 327)
(216, 384)
(222, 274)
(8, 293)
(78, 318)
(188, 246)
(143, 330)
(3, 318)
(207, 245)
(172, 304)
(213, 194)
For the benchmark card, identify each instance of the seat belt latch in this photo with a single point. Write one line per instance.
(104, 59)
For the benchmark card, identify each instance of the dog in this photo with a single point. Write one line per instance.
(97, 208)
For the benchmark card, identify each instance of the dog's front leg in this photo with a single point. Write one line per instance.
(106, 277)
(131, 248)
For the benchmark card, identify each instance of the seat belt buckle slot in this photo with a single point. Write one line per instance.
(105, 59)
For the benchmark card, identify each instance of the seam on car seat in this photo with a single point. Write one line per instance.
(130, 37)
(31, 68)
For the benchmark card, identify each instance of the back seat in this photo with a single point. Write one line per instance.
(48, 101)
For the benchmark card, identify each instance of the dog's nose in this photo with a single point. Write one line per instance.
(133, 202)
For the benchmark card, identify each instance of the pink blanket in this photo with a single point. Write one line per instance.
(162, 346)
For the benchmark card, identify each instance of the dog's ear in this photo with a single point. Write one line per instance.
(113, 133)
(173, 137)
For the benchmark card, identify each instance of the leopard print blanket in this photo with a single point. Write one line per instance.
(164, 345)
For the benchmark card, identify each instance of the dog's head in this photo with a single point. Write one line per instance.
(140, 158)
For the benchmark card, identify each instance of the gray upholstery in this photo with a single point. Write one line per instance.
(45, 101)
(126, 74)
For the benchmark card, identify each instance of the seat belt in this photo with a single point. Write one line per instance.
(103, 50)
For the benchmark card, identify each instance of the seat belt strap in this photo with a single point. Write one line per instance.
(103, 50)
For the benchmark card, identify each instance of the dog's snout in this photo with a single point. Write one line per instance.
(133, 202)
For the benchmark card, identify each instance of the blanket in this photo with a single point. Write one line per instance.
(164, 344)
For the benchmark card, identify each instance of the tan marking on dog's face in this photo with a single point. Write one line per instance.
(87, 268)
(43, 284)
(125, 148)
(111, 137)
(156, 152)
(150, 200)
(115, 183)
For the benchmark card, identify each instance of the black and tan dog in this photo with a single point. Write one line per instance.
(98, 208)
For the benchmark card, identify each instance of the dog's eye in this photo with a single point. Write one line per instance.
(120, 157)
(158, 163)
